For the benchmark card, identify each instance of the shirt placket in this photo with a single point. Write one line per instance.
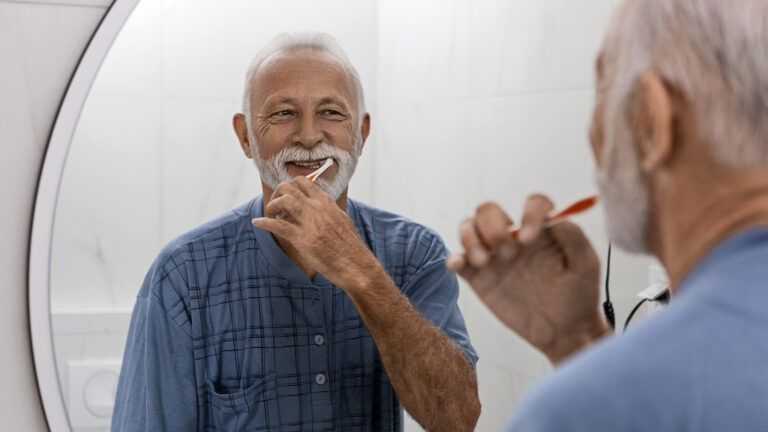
(319, 373)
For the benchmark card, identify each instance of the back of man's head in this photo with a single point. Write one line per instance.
(714, 53)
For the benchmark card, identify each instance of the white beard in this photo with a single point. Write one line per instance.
(625, 197)
(273, 171)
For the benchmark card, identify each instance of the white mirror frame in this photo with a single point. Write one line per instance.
(45, 210)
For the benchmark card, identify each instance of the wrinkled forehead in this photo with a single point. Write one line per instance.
(302, 71)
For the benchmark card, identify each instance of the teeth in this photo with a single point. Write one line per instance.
(308, 165)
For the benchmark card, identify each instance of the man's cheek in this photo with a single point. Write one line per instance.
(596, 135)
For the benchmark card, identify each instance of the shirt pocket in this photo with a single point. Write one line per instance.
(246, 409)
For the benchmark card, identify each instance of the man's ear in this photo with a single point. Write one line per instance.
(653, 122)
(241, 130)
(365, 130)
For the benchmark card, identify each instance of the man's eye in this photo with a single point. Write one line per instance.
(330, 112)
(282, 113)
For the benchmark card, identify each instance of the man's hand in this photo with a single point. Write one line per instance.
(308, 218)
(431, 376)
(544, 286)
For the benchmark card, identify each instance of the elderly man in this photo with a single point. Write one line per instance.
(301, 310)
(680, 136)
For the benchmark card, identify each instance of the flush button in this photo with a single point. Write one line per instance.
(319, 340)
(320, 379)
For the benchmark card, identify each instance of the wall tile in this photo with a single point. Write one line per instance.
(107, 227)
(134, 65)
(489, 47)
(207, 48)
(204, 170)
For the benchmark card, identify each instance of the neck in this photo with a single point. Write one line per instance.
(689, 223)
(290, 251)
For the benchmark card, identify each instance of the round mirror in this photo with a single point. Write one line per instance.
(469, 101)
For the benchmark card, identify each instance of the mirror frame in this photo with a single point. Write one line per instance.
(41, 235)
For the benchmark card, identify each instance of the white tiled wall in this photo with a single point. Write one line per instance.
(40, 43)
(473, 100)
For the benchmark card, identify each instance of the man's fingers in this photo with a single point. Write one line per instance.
(458, 264)
(579, 253)
(537, 209)
(476, 253)
(307, 187)
(492, 224)
(287, 188)
(284, 205)
(277, 227)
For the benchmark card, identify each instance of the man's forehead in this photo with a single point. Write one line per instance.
(290, 68)
(303, 61)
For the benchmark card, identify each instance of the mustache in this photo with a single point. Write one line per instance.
(299, 153)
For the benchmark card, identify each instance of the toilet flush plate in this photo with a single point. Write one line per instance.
(92, 387)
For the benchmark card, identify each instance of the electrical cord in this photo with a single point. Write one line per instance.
(610, 314)
(663, 298)
(632, 314)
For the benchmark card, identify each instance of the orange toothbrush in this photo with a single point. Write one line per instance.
(579, 206)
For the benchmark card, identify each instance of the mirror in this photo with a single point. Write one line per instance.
(493, 98)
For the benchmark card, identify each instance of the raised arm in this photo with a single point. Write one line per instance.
(432, 376)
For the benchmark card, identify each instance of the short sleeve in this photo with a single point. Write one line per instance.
(434, 292)
(156, 390)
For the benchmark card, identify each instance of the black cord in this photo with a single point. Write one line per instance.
(610, 315)
(632, 314)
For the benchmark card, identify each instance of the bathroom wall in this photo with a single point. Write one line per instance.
(471, 100)
(40, 44)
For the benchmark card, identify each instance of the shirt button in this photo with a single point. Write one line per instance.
(320, 379)
(319, 340)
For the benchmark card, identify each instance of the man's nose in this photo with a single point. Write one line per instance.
(309, 133)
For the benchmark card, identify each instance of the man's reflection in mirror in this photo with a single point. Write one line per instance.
(302, 309)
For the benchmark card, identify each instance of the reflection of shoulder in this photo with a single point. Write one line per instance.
(403, 240)
(634, 381)
(169, 268)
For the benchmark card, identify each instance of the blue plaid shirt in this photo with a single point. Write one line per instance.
(228, 334)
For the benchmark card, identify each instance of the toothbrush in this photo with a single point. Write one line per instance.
(579, 206)
(314, 175)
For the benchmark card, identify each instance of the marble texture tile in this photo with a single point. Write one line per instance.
(134, 65)
(58, 3)
(28, 30)
(421, 163)
(204, 171)
(106, 232)
(39, 45)
(489, 47)
(502, 390)
(207, 48)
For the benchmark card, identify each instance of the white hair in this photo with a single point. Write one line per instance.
(317, 42)
(714, 52)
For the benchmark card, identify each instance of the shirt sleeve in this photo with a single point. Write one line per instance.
(156, 390)
(434, 292)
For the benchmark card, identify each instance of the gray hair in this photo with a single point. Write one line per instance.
(292, 42)
(715, 52)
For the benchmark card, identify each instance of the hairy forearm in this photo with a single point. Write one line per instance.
(433, 379)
